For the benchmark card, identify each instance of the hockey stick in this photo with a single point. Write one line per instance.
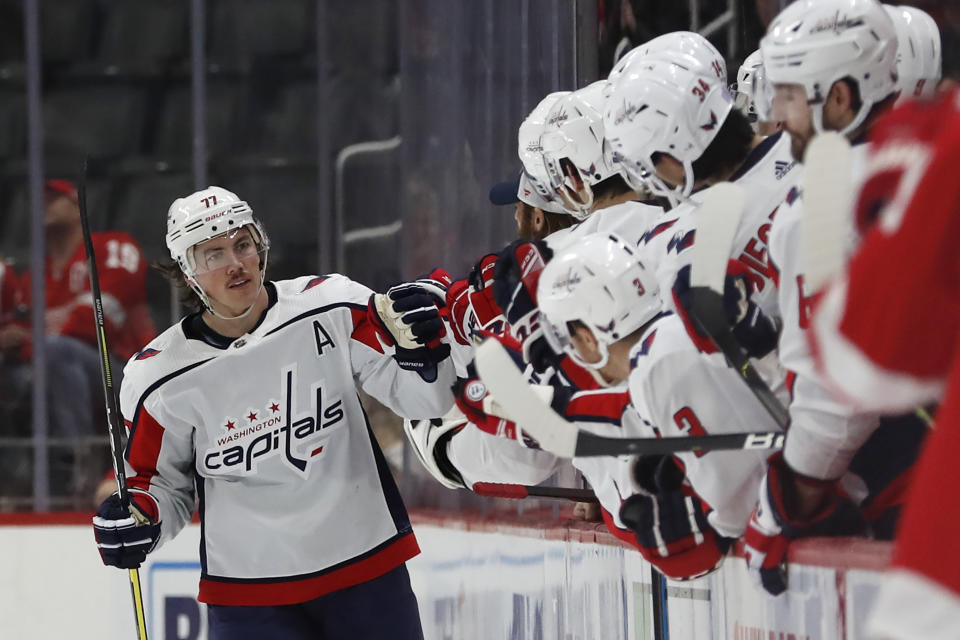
(518, 491)
(113, 408)
(561, 438)
(827, 198)
(716, 227)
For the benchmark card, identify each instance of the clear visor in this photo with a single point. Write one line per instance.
(762, 95)
(224, 250)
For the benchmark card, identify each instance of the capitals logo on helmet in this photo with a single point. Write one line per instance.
(600, 283)
(815, 43)
(572, 148)
(534, 178)
(661, 107)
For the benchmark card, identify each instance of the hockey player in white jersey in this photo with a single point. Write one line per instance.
(832, 65)
(674, 129)
(601, 307)
(249, 407)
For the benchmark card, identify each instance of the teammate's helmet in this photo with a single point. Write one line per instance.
(919, 65)
(531, 156)
(743, 90)
(661, 107)
(688, 49)
(572, 147)
(203, 215)
(815, 43)
(601, 283)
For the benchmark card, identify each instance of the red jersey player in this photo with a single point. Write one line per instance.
(886, 331)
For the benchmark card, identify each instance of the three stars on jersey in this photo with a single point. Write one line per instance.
(279, 431)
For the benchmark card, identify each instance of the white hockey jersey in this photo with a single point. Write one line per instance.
(766, 176)
(678, 390)
(824, 433)
(267, 432)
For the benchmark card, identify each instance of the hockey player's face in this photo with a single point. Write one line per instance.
(228, 269)
(790, 107)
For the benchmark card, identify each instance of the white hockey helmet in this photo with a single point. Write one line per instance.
(572, 148)
(919, 63)
(203, 215)
(530, 153)
(815, 43)
(743, 90)
(661, 107)
(600, 282)
(688, 49)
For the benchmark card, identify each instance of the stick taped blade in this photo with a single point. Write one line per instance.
(512, 392)
(717, 224)
(827, 198)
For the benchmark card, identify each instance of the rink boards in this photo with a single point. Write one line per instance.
(524, 579)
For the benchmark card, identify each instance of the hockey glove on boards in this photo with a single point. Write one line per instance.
(756, 333)
(408, 317)
(515, 278)
(126, 535)
(670, 523)
(771, 527)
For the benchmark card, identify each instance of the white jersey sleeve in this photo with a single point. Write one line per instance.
(681, 391)
(484, 457)
(401, 391)
(825, 432)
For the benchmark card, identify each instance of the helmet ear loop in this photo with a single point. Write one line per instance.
(579, 192)
(601, 347)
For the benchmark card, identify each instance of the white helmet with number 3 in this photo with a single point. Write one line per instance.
(601, 283)
(919, 63)
(203, 215)
(815, 43)
(572, 147)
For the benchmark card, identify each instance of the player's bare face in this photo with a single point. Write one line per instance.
(228, 269)
(791, 108)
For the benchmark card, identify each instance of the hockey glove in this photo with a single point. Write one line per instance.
(771, 526)
(673, 534)
(515, 278)
(757, 333)
(470, 303)
(408, 317)
(126, 535)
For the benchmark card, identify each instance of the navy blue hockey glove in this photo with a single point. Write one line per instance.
(126, 535)
(658, 474)
(515, 279)
(408, 317)
(773, 525)
(754, 331)
(672, 533)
